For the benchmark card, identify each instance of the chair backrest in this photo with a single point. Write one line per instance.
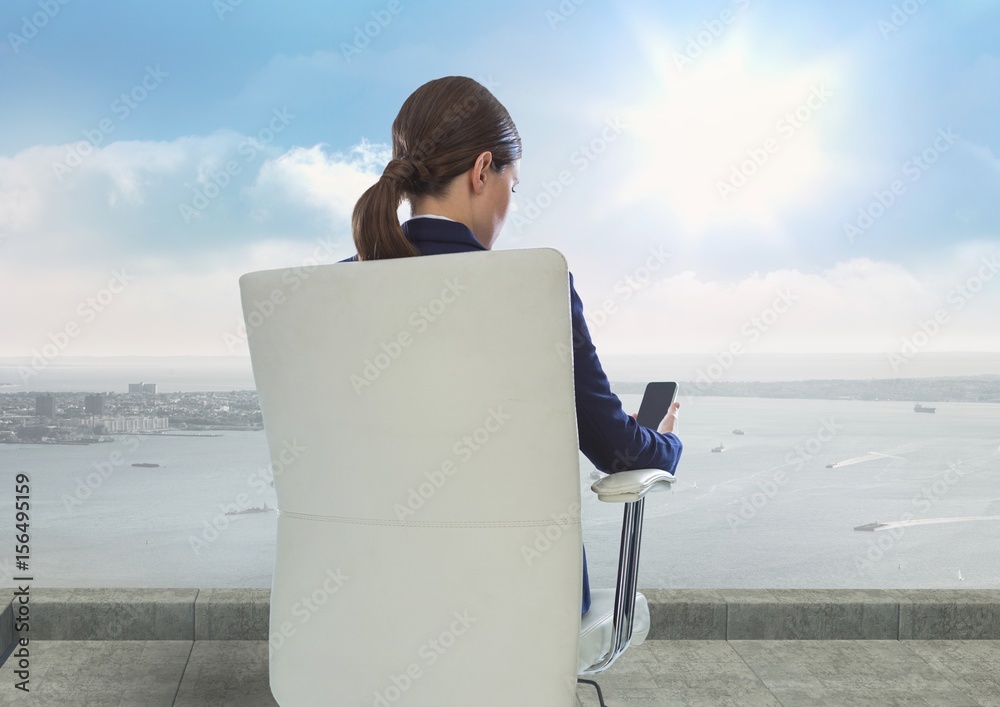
(420, 418)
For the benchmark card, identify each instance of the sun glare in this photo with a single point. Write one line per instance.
(720, 141)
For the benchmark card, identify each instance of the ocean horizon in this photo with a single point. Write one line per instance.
(218, 373)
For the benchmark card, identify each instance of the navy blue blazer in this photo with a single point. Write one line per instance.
(611, 439)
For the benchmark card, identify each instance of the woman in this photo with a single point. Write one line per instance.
(456, 156)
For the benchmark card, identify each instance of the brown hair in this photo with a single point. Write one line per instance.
(440, 131)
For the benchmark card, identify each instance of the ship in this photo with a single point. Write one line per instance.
(720, 448)
(738, 432)
(251, 509)
(146, 465)
(922, 408)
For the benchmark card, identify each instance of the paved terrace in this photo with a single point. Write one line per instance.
(744, 648)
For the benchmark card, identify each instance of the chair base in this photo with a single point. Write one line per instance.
(600, 695)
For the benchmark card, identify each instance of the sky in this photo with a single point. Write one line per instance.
(772, 176)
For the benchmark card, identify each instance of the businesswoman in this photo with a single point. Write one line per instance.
(456, 156)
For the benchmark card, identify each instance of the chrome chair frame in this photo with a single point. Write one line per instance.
(631, 488)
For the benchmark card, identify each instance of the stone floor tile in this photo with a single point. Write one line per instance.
(972, 666)
(226, 673)
(656, 674)
(849, 673)
(682, 652)
(99, 673)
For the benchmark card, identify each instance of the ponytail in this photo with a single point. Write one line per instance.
(375, 223)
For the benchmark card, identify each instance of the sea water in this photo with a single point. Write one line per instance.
(766, 512)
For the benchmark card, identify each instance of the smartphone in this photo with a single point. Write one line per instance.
(656, 401)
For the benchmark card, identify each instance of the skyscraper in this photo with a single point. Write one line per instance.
(94, 404)
(45, 406)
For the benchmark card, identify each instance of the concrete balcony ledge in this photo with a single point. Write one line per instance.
(676, 614)
(824, 614)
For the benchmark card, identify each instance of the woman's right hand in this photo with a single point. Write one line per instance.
(669, 422)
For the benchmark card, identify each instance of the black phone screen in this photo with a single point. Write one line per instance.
(656, 402)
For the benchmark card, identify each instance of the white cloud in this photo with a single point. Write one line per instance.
(330, 183)
(66, 202)
(117, 209)
(165, 308)
(856, 306)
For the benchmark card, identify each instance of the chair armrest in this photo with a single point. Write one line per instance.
(630, 486)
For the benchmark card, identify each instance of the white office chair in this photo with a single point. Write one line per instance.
(420, 416)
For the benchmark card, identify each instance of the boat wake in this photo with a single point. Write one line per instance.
(866, 458)
(876, 526)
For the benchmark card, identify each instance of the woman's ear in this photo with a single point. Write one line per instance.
(480, 171)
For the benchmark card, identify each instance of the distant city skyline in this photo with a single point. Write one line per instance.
(774, 177)
(226, 373)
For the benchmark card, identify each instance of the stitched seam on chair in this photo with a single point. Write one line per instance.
(597, 625)
(429, 524)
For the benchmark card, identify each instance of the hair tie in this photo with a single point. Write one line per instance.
(406, 172)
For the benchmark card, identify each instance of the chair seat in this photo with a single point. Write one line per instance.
(596, 626)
